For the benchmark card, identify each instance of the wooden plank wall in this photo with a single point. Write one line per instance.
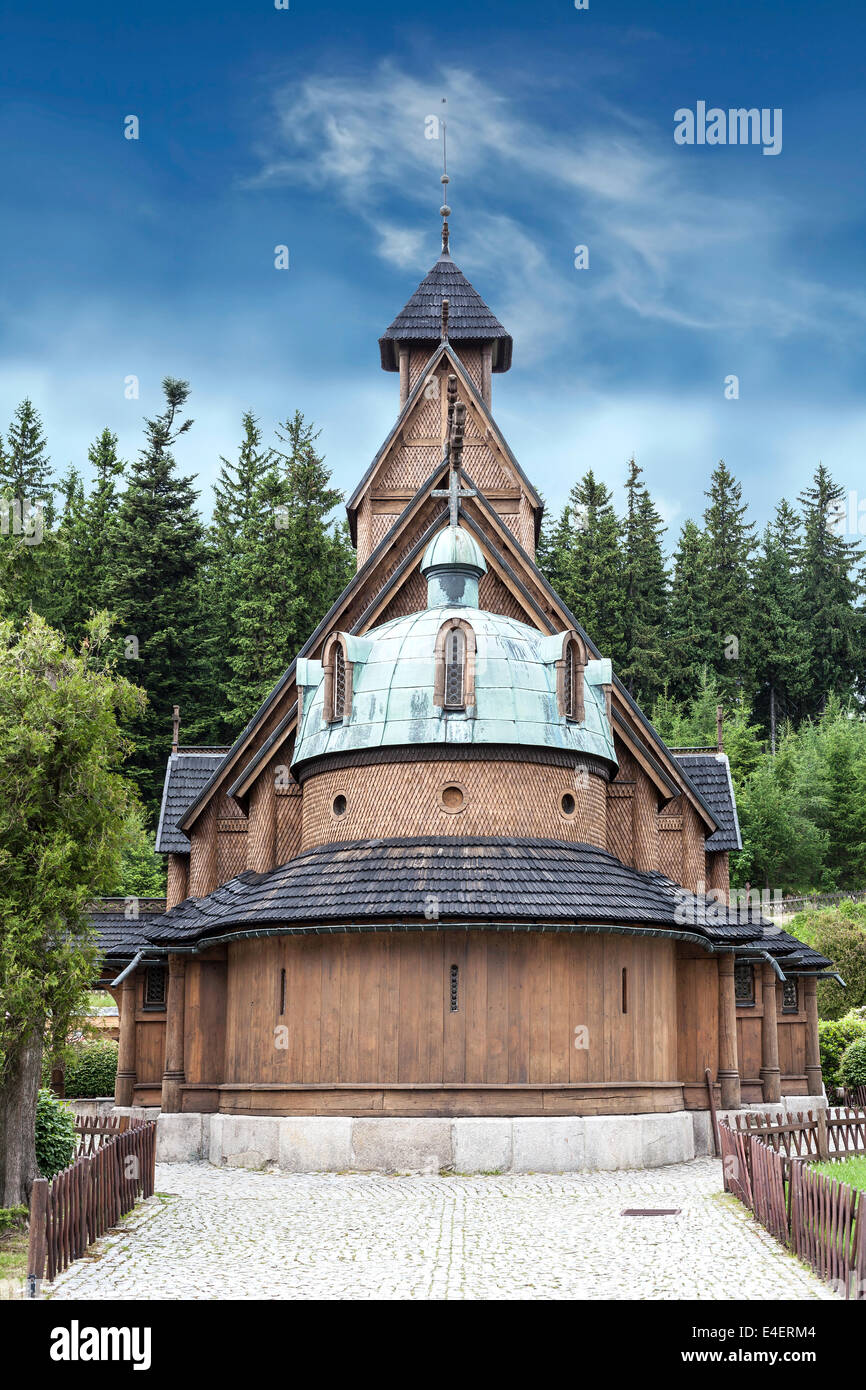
(375, 1008)
(697, 1015)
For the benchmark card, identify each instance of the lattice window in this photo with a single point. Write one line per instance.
(455, 668)
(571, 683)
(154, 987)
(339, 683)
(744, 982)
(791, 995)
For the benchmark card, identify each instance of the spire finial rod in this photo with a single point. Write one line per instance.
(444, 211)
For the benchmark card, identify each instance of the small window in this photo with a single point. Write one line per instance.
(282, 991)
(455, 668)
(744, 983)
(568, 804)
(339, 703)
(455, 979)
(452, 798)
(791, 995)
(570, 680)
(624, 990)
(339, 805)
(154, 987)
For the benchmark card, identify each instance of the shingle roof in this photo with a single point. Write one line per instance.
(188, 772)
(710, 774)
(793, 954)
(119, 935)
(420, 320)
(460, 880)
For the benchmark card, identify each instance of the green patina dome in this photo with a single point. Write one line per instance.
(453, 548)
(394, 670)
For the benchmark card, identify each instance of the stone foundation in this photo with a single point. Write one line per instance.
(316, 1143)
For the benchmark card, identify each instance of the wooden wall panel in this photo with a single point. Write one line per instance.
(204, 1020)
(375, 1009)
(149, 1050)
(697, 1014)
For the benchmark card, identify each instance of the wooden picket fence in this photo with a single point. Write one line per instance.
(807, 1134)
(112, 1170)
(766, 1164)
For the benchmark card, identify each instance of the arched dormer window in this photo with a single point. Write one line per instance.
(339, 701)
(455, 669)
(454, 683)
(569, 684)
(338, 680)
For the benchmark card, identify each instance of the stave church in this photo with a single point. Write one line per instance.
(449, 875)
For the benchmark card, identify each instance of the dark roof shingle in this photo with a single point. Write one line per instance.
(187, 774)
(442, 879)
(119, 934)
(710, 775)
(469, 318)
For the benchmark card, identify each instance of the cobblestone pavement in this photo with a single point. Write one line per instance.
(228, 1233)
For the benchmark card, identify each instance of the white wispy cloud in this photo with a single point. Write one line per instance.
(664, 245)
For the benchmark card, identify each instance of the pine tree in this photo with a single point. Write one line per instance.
(591, 573)
(234, 502)
(87, 539)
(27, 545)
(103, 505)
(66, 610)
(730, 541)
(156, 593)
(554, 547)
(26, 471)
(830, 592)
(646, 584)
(290, 565)
(690, 616)
(778, 654)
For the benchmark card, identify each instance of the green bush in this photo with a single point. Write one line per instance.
(92, 1068)
(55, 1134)
(13, 1218)
(852, 1068)
(840, 934)
(834, 1036)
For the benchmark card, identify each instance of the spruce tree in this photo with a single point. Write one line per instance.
(646, 584)
(27, 545)
(155, 592)
(554, 548)
(830, 591)
(592, 578)
(25, 470)
(778, 652)
(730, 541)
(290, 565)
(87, 539)
(690, 615)
(234, 501)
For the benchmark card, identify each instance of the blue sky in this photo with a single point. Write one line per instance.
(305, 127)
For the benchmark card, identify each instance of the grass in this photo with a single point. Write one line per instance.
(13, 1248)
(99, 999)
(849, 1170)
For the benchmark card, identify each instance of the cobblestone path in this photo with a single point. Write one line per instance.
(228, 1233)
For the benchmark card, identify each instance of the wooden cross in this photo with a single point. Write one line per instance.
(454, 453)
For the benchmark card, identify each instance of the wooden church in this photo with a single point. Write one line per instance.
(449, 868)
